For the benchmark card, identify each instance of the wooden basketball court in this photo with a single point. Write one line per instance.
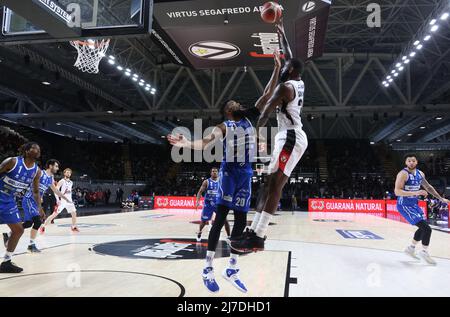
(154, 253)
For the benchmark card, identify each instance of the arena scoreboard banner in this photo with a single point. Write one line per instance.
(176, 202)
(381, 208)
(375, 207)
(214, 33)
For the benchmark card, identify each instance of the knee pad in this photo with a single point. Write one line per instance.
(27, 224)
(37, 222)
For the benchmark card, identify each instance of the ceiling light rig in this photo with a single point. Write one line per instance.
(133, 76)
(425, 33)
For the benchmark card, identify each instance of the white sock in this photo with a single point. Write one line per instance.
(232, 263)
(263, 223)
(209, 258)
(255, 220)
(425, 248)
(8, 256)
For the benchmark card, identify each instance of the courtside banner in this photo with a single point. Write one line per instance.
(393, 214)
(375, 207)
(176, 202)
(216, 33)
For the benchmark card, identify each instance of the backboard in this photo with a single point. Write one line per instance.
(93, 19)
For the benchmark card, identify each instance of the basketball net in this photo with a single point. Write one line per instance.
(90, 53)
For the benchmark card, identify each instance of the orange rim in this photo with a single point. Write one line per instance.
(96, 43)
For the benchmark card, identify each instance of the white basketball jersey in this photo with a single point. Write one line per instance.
(66, 188)
(288, 115)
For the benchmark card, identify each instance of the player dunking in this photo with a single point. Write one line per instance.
(290, 144)
(32, 218)
(407, 189)
(211, 187)
(17, 174)
(239, 142)
(65, 187)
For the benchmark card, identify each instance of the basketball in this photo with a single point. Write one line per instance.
(271, 12)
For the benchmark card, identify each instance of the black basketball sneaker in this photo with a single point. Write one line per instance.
(248, 242)
(9, 267)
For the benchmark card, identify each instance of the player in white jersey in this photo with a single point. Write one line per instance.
(290, 144)
(65, 186)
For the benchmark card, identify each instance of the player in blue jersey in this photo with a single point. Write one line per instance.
(407, 189)
(239, 151)
(210, 187)
(32, 218)
(17, 175)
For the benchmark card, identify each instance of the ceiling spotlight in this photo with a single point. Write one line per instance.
(409, 134)
(133, 123)
(401, 68)
(393, 71)
(111, 61)
(141, 84)
(422, 128)
(399, 140)
(153, 92)
(419, 47)
(416, 43)
(135, 75)
(109, 111)
(407, 61)
(390, 80)
(119, 67)
(398, 65)
(434, 28)
(384, 82)
(412, 54)
(426, 38)
(372, 143)
(24, 114)
(389, 77)
(46, 83)
(433, 22)
(403, 58)
(127, 74)
(111, 57)
(396, 75)
(147, 88)
(58, 123)
(438, 118)
(135, 79)
(444, 16)
(81, 131)
(141, 80)
(100, 137)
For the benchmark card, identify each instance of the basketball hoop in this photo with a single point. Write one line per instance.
(90, 53)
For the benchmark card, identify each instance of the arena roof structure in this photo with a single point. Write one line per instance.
(348, 93)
